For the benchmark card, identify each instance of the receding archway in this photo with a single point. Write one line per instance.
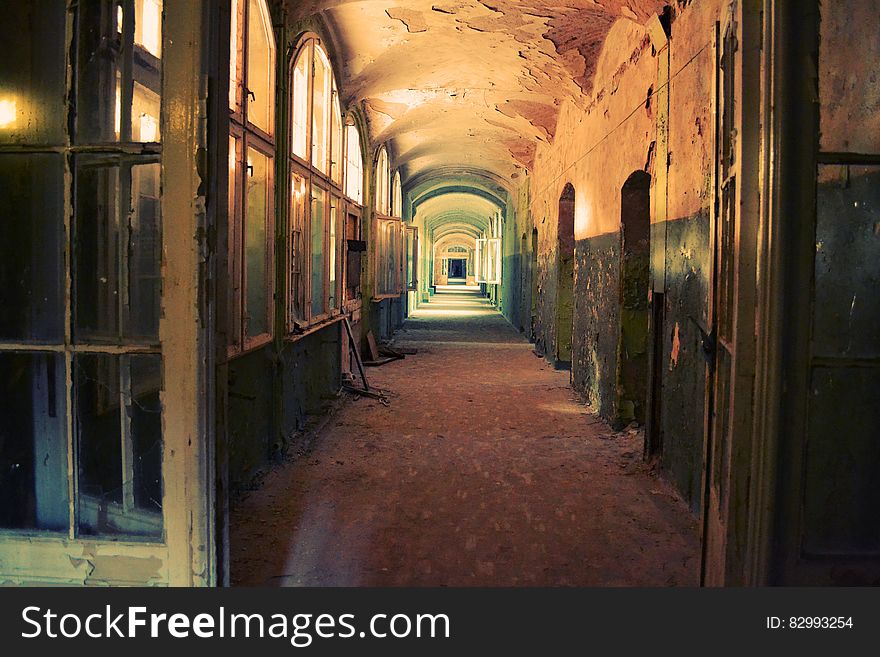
(565, 278)
(635, 265)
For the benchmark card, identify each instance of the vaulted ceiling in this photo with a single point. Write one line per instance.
(466, 89)
(467, 84)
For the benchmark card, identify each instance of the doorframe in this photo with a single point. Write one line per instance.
(186, 555)
(724, 558)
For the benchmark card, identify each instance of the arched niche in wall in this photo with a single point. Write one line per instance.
(635, 253)
(565, 277)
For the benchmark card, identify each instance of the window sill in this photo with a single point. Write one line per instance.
(315, 326)
(232, 353)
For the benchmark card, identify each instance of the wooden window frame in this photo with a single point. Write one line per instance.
(360, 200)
(248, 136)
(314, 177)
(381, 258)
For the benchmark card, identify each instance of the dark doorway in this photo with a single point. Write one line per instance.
(565, 278)
(635, 266)
(457, 269)
(653, 423)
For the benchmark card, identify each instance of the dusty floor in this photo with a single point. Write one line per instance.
(485, 470)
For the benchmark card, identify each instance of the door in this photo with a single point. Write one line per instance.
(103, 363)
(719, 341)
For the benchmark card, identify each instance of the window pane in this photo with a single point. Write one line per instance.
(233, 262)
(117, 266)
(301, 102)
(336, 163)
(33, 442)
(297, 248)
(234, 54)
(319, 201)
(257, 245)
(397, 206)
(332, 246)
(32, 72)
(321, 111)
(144, 115)
(119, 72)
(382, 183)
(31, 218)
(260, 67)
(143, 305)
(118, 423)
(354, 175)
(148, 26)
(412, 257)
(97, 253)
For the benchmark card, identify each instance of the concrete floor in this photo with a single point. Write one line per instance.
(484, 470)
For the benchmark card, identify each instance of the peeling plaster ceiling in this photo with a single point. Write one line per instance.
(468, 87)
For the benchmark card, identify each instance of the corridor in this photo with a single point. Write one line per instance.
(631, 249)
(484, 470)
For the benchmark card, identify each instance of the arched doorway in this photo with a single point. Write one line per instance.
(565, 278)
(635, 266)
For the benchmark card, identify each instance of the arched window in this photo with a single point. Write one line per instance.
(316, 118)
(251, 182)
(302, 74)
(382, 183)
(316, 229)
(337, 166)
(397, 198)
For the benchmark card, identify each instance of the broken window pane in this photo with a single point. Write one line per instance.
(32, 72)
(119, 72)
(260, 67)
(118, 424)
(117, 253)
(31, 218)
(33, 442)
(256, 220)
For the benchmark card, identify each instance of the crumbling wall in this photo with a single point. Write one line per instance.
(688, 260)
(617, 131)
(596, 149)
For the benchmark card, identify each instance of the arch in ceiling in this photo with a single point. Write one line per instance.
(458, 206)
(456, 179)
(455, 239)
